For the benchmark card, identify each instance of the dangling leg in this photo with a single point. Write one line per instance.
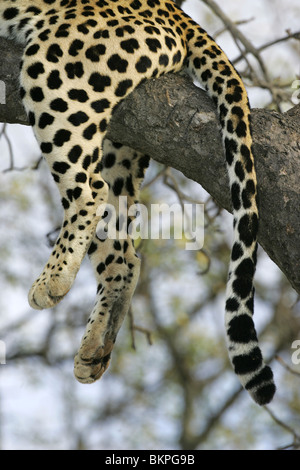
(114, 259)
(72, 168)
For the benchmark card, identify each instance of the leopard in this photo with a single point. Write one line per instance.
(80, 59)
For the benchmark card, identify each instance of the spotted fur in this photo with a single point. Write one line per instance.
(81, 58)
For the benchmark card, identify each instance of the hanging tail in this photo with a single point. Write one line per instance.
(211, 67)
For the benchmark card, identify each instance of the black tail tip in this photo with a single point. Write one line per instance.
(264, 394)
(262, 388)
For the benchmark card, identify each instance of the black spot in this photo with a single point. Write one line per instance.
(89, 132)
(143, 64)
(32, 50)
(86, 162)
(163, 60)
(230, 126)
(31, 118)
(129, 45)
(244, 364)
(109, 160)
(237, 251)
(109, 259)
(136, 4)
(206, 75)
(129, 186)
(59, 105)
(236, 96)
(54, 53)
(230, 149)
(93, 53)
(226, 70)
(126, 163)
(78, 95)
(245, 152)
(176, 58)
(241, 129)
(98, 184)
(123, 87)
(78, 118)
(74, 69)
(37, 94)
(103, 125)
(232, 304)
(241, 329)
(170, 42)
(152, 30)
(235, 196)
(61, 137)
(44, 35)
(65, 203)
(153, 44)
(54, 81)
(10, 13)
(100, 268)
(77, 192)
(115, 62)
(100, 105)
(46, 119)
(99, 82)
(198, 63)
(81, 178)
(75, 47)
(238, 111)
(201, 42)
(247, 198)
(239, 171)
(35, 70)
(61, 167)
(118, 186)
(264, 391)
(143, 163)
(46, 147)
(75, 153)
(117, 245)
(93, 247)
(242, 287)
(245, 269)
(248, 227)
(62, 31)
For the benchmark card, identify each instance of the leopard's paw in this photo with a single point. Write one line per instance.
(49, 289)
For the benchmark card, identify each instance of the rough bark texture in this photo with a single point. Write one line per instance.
(176, 124)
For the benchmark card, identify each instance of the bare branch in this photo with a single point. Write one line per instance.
(236, 33)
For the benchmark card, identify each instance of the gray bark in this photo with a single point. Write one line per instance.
(176, 124)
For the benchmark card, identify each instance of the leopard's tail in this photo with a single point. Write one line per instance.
(211, 67)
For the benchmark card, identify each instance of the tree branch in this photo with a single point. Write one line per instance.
(176, 124)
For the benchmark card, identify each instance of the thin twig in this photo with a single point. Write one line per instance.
(296, 437)
(272, 43)
(133, 327)
(237, 34)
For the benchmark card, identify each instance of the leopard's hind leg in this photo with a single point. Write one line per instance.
(114, 259)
